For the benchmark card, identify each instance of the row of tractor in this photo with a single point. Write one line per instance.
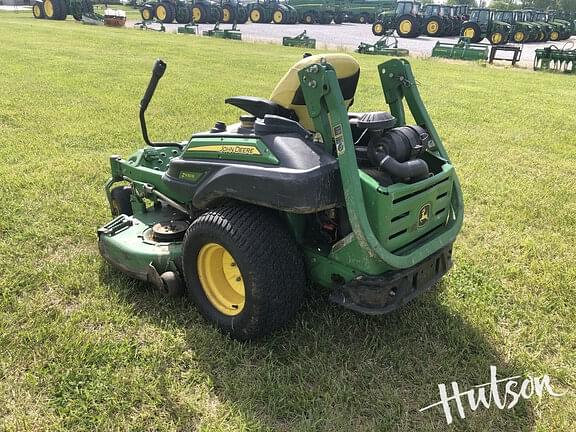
(265, 11)
(410, 19)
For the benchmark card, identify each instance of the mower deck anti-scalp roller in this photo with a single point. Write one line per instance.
(244, 216)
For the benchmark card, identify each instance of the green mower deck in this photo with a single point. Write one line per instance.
(463, 50)
(242, 216)
(301, 40)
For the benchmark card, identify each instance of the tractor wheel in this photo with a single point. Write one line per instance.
(227, 14)
(216, 14)
(554, 35)
(38, 10)
(363, 18)
(121, 201)
(279, 17)
(199, 14)
(257, 14)
(183, 14)
(378, 28)
(497, 38)
(164, 12)
(325, 18)
(243, 270)
(55, 9)
(541, 36)
(242, 15)
(338, 19)
(433, 27)
(308, 18)
(407, 26)
(147, 12)
(472, 31)
(519, 37)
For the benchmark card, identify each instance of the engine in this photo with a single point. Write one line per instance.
(394, 151)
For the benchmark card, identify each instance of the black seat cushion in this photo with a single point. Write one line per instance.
(259, 107)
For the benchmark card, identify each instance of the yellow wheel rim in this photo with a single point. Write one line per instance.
(469, 33)
(225, 15)
(308, 19)
(196, 14)
(255, 15)
(378, 28)
(432, 27)
(36, 11)
(496, 38)
(48, 8)
(278, 17)
(405, 27)
(554, 36)
(362, 20)
(221, 279)
(518, 37)
(161, 12)
(146, 14)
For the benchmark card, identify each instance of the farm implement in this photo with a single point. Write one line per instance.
(386, 45)
(554, 59)
(301, 40)
(463, 50)
(243, 216)
(217, 32)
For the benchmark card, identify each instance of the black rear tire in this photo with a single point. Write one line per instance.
(228, 14)
(408, 31)
(147, 12)
(183, 14)
(164, 12)
(308, 18)
(216, 14)
(271, 266)
(121, 201)
(38, 10)
(472, 31)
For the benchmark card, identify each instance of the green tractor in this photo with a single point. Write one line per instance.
(233, 12)
(565, 21)
(265, 11)
(406, 20)
(299, 193)
(364, 11)
(318, 12)
(521, 31)
(557, 29)
(60, 9)
(166, 11)
(484, 25)
(436, 20)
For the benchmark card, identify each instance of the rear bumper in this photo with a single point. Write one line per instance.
(375, 295)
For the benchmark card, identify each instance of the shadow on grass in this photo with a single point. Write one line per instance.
(338, 370)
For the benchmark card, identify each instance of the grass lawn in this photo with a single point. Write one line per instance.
(84, 348)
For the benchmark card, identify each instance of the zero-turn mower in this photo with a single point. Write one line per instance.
(242, 216)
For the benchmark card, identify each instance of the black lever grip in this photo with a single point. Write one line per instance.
(157, 72)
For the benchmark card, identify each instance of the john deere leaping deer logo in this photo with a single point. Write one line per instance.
(424, 215)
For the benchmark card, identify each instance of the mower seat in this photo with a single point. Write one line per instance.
(260, 107)
(288, 93)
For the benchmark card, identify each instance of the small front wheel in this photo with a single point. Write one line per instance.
(243, 270)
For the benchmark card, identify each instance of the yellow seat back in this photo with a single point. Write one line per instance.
(289, 94)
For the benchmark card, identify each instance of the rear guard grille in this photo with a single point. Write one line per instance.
(401, 217)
